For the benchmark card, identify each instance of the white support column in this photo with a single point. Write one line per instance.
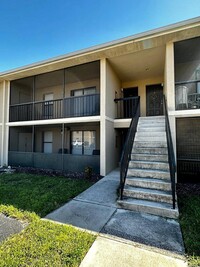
(103, 117)
(5, 120)
(170, 89)
(169, 77)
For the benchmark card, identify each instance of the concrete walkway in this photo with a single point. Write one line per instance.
(9, 226)
(125, 238)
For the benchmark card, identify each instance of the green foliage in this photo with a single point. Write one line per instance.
(39, 194)
(44, 243)
(11, 211)
(189, 207)
(41, 243)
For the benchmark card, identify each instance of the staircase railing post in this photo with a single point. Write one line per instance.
(171, 156)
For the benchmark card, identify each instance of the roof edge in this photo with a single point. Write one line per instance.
(105, 45)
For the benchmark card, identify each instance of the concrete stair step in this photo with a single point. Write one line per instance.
(151, 207)
(148, 194)
(151, 123)
(150, 138)
(152, 183)
(161, 117)
(150, 129)
(143, 173)
(149, 165)
(150, 150)
(150, 157)
(151, 134)
(146, 144)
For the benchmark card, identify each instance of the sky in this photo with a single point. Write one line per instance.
(35, 30)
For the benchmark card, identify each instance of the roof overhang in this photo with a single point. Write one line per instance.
(135, 43)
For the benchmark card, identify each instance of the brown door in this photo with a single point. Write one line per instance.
(154, 100)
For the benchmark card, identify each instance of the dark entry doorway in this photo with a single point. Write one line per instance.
(130, 92)
(130, 101)
(154, 100)
(188, 149)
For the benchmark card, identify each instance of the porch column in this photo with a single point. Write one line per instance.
(169, 76)
(170, 89)
(103, 117)
(5, 119)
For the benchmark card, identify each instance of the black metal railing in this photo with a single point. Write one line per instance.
(45, 110)
(171, 157)
(80, 106)
(126, 153)
(126, 107)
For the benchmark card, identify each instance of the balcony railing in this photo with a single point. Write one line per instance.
(80, 106)
(126, 107)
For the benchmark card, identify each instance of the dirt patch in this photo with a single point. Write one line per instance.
(74, 175)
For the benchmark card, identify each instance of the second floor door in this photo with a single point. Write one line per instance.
(154, 100)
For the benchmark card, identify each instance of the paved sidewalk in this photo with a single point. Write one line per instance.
(126, 238)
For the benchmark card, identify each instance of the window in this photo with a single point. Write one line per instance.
(83, 142)
(48, 142)
(84, 91)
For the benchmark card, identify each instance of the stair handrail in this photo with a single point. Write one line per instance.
(126, 153)
(171, 155)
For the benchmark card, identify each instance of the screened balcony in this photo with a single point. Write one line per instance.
(65, 93)
(187, 74)
(79, 106)
(59, 147)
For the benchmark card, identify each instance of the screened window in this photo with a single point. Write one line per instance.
(83, 142)
(84, 91)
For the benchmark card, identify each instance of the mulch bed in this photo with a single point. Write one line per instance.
(186, 189)
(53, 173)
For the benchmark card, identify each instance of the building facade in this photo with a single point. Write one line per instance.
(73, 111)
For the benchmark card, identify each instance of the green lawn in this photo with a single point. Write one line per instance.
(189, 207)
(41, 243)
(37, 193)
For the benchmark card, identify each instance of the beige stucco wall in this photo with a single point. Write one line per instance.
(110, 84)
(141, 84)
(57, 92)
(113, 88)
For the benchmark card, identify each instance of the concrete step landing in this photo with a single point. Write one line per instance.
(151, 207)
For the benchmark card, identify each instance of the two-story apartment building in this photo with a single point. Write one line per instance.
(73, 111)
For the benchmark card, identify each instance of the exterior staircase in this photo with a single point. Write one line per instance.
(148, 184)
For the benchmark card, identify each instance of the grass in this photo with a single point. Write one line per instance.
(41, 243)
(40, 194)
(189, 207)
